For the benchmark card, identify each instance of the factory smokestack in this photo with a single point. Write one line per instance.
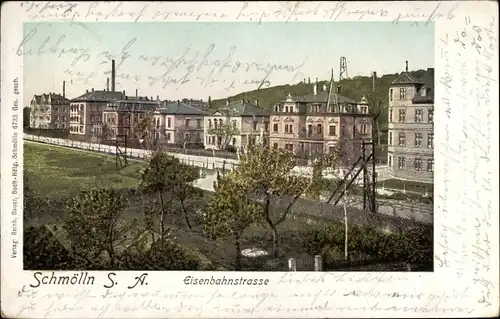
(113, 75)
(107, 84)
(136, 93)
(64, 88)
(406, 65)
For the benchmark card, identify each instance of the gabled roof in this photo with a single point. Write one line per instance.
(133, 105)
(53, 96)
(241, 108)
(322, 97)
(180, 108)
(95, 96)
(406, 78)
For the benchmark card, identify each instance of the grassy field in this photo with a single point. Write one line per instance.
(59, 172)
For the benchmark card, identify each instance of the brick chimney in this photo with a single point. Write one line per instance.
(136, 93)
(64, 88)
(113, 75)
(107, 84)
(406, 65)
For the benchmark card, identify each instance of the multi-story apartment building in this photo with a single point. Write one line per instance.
(179, 123)
(121, 117)
(50, 111)
(248, 124)
(310, 126)
(411, 128)
(86, 111)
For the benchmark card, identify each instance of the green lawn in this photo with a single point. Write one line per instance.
(57, 172)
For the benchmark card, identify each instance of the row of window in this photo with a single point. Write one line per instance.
(403, 95)
(56, 118)
(318, 129)
(419, 116)
(76, 129)
(418, 164)
(317, 108)
(56, 125)
(418, 139)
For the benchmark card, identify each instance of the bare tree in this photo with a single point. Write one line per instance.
(224, 132)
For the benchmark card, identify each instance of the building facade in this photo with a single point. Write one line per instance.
(179, 123)
(50, 111)
(411, 127)
(238, 124)
(121, 117)
(311, 126)
(86, 111)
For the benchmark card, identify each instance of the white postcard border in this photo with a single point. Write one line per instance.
(457, 286)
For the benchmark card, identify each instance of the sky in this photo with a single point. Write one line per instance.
(175, 60)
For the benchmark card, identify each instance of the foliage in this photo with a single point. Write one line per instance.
(266, 173)
(92, 221)
(144, 130)
(414, 246)
(26, 117)
(230, 212)
(224, 133)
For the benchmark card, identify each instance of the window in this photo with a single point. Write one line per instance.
(417, 164)
(266, 126)
(220, 122)
(275, 145)
(430, 165)
(333, 130)
(391, 93)
(419, 116)
(390, 138)
(169, 123)
(198, 137)
(288, 128)
(209, 123)
(254, 126)
(234, 140)
(390, 161)
(286, 108)
(401, 162)
(364, 109)
(276, 108)
(289, 147)
(186, 123)
(319, 129)
(364, 129)
(309, 130)
(275, 127)
(234, 124)
(168, 137)
(418, 139)
(430, 116)
(402, 94)
(198, 123)
(342, 130)
(402, 115)
(430, 141)
(402, 139)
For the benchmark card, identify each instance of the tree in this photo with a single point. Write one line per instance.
(26, 116)
(224, 133)
(182, 186)
(267, 173)
(91, 226)
(145, 130)
(230, 212)
(156, 177)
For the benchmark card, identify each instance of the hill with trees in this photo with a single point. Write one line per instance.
(354, 88)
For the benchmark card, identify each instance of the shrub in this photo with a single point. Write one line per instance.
(414, 246)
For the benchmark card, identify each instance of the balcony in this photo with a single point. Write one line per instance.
(311, 136)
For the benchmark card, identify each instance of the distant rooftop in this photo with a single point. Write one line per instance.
(321, 97)
(179, 108)
(104, 96)
(241, 108)
(45, 97)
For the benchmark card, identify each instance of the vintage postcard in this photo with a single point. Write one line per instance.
(249, 159)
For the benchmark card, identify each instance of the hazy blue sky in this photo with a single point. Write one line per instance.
(197, 60)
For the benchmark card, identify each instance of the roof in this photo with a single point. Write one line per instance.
(241, 108)
(133, 105)
(94, 96)
(427, 80)
(53, 96)
(180, 109)
(406, 78)
(322, 97)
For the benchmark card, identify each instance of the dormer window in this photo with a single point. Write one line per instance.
(423, 92)
(276, 108)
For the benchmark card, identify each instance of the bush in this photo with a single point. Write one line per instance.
(414, 246)
(230, 148)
